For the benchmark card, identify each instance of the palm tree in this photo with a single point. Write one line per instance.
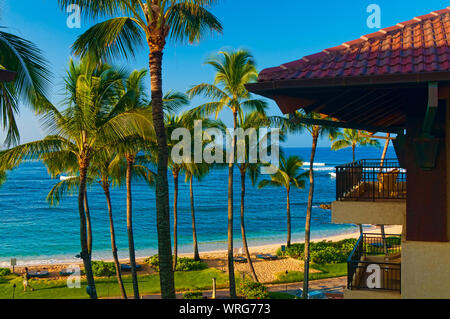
(288, 175)
(128, 149)
(90, 116)
(233, 71)
(154, 21)
(172, 122)
(383, 156)
(253, 120)
(315, 131)
(199, 171)
(32, 78)
(352, 138)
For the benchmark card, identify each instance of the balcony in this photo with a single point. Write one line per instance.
(374, 267)
(368, 193)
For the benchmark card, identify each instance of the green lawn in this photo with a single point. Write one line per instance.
(149, 284)
(108, 287)
(326, 271)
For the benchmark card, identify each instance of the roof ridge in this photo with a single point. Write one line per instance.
(326, 55)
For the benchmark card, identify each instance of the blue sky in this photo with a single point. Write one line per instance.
(274, 31)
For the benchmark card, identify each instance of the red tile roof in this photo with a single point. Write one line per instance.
(415, 46)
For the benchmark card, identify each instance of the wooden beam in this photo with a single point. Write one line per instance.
(356, 126)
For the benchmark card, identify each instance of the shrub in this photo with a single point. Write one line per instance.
(327, 255)
(183, 264)
(103, 269)
(253, 290)
(4, 271)
(153, 261)
(193, 295)
(322, 252)
(189, 264)
(294, 251)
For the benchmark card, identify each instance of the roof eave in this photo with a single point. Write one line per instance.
(272, 86)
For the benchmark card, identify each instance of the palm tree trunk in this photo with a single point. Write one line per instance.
(175, 220)
(88, 223)
(361, 230)
(130, 162)
(244, 237)
(105, 186)
(386, 145)
(230, 212)
(354, 152)
(162, 187)
(194, 229)
(383, 156)
(288, 211)
(84, 163)
(315, 137)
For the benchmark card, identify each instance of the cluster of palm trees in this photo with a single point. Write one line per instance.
(109, 131)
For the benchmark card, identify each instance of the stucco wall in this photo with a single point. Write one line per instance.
(425, 269)
(375, 213)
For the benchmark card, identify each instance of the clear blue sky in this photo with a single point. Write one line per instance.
(274, 31)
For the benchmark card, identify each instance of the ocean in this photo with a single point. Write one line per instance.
(35, 233)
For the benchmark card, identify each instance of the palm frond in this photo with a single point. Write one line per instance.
(117, 37)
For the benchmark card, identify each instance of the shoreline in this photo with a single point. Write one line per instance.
(221, 253)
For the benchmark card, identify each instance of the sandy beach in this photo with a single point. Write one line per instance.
(266, 270)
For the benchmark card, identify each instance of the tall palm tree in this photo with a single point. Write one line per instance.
(173, 122)
(316, 131)
(133, 87)
(89, 117)
(352, 138)
(383, 156)
(288, 175)
(153, 21)
(233, 71)
(32, 79)
(253, 120)
(191, 171)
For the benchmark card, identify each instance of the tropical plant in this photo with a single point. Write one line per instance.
(251, 122)
(316, 131)
(89, 117)
(253, 290)
(352, 138)
(32, 78)
(128, 149)
(233, 71)
(288, 175)
(191, 171)
(103, 269)
(173, 122)
(155, 21)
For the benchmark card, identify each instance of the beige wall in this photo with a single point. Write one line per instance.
(371, 294)
(375, 213)
(447, 148)
(425, 270)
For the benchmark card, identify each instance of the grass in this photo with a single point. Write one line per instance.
(108, 287)
(149, 284)
(326, 271)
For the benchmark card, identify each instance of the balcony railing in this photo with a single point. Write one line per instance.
(375, 263)
(368, 180)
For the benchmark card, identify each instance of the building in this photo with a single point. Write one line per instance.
(396, 80)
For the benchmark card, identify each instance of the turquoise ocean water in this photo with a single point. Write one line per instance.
(35, 233)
